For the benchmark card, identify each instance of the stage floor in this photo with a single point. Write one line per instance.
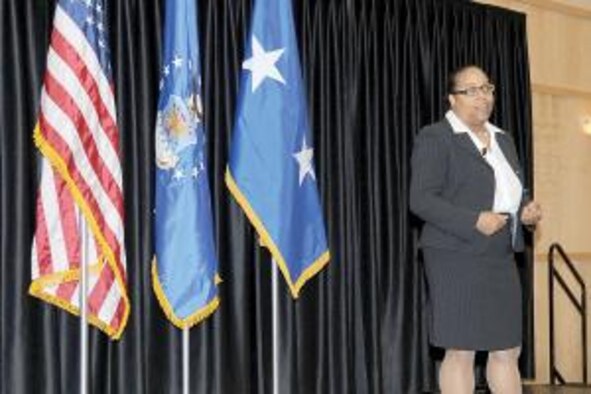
(547, 389)
(544, 389)
(572, 389)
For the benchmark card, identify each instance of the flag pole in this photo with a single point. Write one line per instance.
(186, 360)
(83, 307)
(275, 314)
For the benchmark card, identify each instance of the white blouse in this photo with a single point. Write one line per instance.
(508, 188)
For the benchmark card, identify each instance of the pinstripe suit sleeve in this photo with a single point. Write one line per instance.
(429, 166)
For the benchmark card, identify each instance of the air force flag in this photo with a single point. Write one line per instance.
(185, 265)
(271, 169)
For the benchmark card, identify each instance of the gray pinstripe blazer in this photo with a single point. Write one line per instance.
(451, 184)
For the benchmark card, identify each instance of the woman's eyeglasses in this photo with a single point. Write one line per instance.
(472, 91)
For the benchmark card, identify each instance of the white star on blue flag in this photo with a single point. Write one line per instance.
(272, 156)
(262, 64)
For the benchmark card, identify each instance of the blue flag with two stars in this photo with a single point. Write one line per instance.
(184, 270)
(271, 170)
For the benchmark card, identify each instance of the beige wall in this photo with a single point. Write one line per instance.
(559, 39)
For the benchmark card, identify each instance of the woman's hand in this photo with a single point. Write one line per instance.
(490, 222)
(531, 214)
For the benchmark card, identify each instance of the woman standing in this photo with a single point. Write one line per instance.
(467, 186)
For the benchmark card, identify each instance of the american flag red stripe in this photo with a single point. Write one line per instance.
(99, 292)
(83, 93)
(67, 213)
(119, 314)
(66, 290)
(62, 148)
(42, 240)
(72, 57)
(63, 100)
(80, 199)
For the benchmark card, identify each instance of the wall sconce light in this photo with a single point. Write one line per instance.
(586, 124)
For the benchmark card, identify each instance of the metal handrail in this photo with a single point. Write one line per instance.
(580, 305)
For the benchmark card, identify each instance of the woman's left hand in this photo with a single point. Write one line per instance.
(531, 214)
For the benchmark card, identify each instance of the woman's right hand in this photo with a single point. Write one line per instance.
(489, 223)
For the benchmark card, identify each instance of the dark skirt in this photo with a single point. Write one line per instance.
(474, 300)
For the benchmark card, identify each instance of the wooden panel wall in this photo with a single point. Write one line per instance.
(559, 39)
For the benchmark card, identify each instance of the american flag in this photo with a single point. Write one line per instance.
(79, 216)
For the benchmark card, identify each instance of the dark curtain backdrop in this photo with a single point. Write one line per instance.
(375, 72)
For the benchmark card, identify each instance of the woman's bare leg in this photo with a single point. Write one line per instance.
(456, 375)
(502, 371)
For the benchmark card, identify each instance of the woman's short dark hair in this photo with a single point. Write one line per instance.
(452, 79)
